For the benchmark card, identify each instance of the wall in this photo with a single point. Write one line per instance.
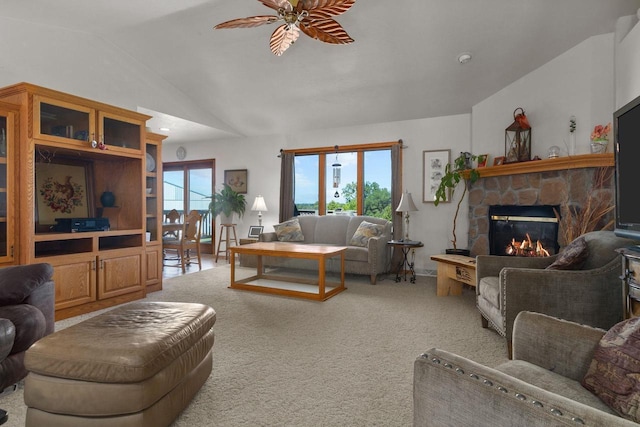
(579, 82)
(430, 224)
(627, 60)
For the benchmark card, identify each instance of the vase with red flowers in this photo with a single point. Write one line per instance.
(600, 138)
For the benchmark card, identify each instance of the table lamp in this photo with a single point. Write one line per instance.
(259, 205)
(406, 205)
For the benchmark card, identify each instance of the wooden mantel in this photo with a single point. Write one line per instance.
(545, 165)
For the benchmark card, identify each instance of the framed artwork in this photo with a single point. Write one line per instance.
(237, 180)
(434, 163)
(482, 160)
(63, 190)
(255, 231)
(499, 160)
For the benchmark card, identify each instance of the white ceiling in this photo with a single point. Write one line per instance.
(403, 64)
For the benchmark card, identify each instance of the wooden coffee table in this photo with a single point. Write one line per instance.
(453, 271)
(270, 282)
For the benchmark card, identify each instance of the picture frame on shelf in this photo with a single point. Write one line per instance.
(64, 189)
(255, 231)
(434, 163)
(500, 160)
(482, 160)
(237, 180)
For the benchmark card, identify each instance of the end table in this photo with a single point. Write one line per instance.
(405, 266)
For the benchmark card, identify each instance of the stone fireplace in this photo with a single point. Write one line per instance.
(565, 181)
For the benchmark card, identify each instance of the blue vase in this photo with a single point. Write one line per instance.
(108, 199)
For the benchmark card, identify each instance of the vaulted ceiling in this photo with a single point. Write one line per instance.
(403, 64)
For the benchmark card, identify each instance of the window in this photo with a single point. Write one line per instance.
(364, 187)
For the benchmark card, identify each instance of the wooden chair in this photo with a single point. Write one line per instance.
(173, 216)
(188, 239)
(172, 233)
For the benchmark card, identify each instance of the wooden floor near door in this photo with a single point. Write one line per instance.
(207, 263)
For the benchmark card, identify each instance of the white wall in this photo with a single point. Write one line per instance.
(579, 82)
(627, 60)
(431, 225)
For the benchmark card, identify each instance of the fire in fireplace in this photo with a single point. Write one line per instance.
(523, 230)
(526, 248)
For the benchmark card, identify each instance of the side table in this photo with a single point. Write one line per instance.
(406, 266)
(630, 282)
(453, 271)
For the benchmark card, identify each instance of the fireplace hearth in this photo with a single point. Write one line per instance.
(523, 230)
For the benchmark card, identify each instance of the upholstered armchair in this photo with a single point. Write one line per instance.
(27, 301)
(591, 294)
(540, 387)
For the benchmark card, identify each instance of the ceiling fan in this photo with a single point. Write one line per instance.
(313, 17)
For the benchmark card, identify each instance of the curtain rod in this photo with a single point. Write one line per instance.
(344, 148)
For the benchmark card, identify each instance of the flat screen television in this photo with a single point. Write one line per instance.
(626, 126)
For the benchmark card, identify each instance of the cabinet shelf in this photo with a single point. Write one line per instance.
(45, 237)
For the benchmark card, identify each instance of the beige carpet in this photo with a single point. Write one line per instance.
(347, 361)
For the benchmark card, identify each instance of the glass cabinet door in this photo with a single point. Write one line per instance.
(64, 121)
(7, 226)
(120, 132)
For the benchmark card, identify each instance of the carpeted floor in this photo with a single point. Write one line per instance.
(347, 361)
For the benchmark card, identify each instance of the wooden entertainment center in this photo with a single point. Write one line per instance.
(58, 154)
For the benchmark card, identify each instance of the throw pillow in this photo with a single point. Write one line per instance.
(365, 231)
(289, 231)
(614, 373)
(572, 257)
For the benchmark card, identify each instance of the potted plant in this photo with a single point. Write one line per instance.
(459, 170)
(227, 201)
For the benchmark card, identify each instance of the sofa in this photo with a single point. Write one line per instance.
(539, 387)
(585, 287)
(338, 230)
(27, 308)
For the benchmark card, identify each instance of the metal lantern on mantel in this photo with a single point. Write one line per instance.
(517, 138)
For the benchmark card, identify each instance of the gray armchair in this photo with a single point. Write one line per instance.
(592, 295)
(539, 387)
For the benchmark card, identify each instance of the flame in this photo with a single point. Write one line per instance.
(526, 248)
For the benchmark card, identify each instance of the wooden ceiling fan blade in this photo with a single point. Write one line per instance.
(328, 31)
(282, 38)
(252, 21)
(277, 4)
(324, 9)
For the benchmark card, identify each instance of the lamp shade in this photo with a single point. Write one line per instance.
(406, 203)
(258, 204)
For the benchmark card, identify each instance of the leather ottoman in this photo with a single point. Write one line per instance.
(137, 365)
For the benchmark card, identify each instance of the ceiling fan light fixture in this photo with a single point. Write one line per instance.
(314, 18)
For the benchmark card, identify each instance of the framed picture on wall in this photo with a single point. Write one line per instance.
(236, 179)
(63, 190)
(434, 163)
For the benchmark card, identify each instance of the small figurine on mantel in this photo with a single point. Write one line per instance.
(517, 138)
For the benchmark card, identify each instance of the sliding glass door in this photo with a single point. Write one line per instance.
(189, 186)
